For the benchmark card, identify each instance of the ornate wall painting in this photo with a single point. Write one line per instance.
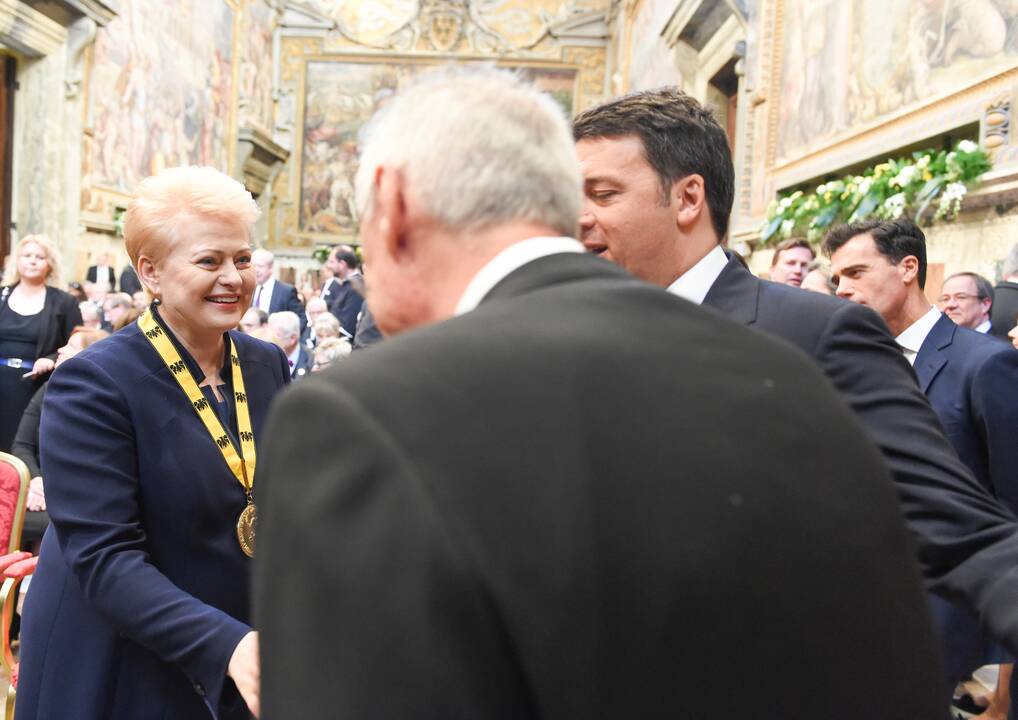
(848, 66)
(651, 64)
(341, 95)
(255, 83)
(161, 91)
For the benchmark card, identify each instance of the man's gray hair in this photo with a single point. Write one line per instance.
(478, 148)
(1011, 263)
(286, 321)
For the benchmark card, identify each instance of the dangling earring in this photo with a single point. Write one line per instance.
(157, 301)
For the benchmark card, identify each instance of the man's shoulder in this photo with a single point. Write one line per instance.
(810, 316)
(976, 348)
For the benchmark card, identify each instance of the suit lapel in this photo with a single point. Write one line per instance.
(736, 293)
(931, 358)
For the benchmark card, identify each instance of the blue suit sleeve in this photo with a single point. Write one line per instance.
(993, 397)
(92, 493)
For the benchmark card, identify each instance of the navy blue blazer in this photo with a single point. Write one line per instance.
(971, 380)
(141, 592)
(347, 301)
(284, 297)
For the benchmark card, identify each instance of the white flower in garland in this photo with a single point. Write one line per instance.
(905, 176)
(950, 201)
(786, 228)
(864, 185)
(894, 206)
(967, 146)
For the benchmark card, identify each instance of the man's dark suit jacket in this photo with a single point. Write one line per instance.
(347, 301)
(971, 380)
(547, 520)
(1004, 313)
(329, 289)
(93, 272)
(303, 366)
(284, 297)
(367, 332)
(129, 282)
(967, 540)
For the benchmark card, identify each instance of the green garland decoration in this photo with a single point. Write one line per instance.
(929, 180)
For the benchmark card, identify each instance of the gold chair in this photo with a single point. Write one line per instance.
(15, 565)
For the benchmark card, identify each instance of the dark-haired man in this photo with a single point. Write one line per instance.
(791, 261)
(967, 298)
(348, 297)
(970, 379)
(659, 187)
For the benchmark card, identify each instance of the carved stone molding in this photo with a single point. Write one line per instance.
(995, 125)
(28, 31)
(259, 158)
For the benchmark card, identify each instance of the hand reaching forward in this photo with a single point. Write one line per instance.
(243, 668)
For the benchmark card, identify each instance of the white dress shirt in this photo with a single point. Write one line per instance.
(512, 258)
(984, 327)
(104, 276)
(913, 337)
(265, 299)
(696, 282)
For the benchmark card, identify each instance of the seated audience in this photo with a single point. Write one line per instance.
(91, 315)
(96, 292)
(967, 298)
(141, 300)
(329, 350)
(285, 327)
(327, 326)
(791, 260)
(26, 442)
(1005, 297)
(818, 279)
(316, 307)
(116, 308)
(253, 318)
(75, 291)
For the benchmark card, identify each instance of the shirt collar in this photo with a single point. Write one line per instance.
(512, 258)
(695, 283)
(914, 335)
(984, 327)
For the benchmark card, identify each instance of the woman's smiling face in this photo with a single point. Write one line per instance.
(205, 279)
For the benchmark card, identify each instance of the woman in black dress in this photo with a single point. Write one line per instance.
(35, 319)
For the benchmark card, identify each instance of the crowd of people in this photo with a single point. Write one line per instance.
(595, 460)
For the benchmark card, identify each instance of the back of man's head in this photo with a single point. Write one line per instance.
(680, 137)
(894, 239)
(478, 149)
(1010, 270)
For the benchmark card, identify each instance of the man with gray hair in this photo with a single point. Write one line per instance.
(535, 511)
(285, 328)
(1004, 314)
(966, 298)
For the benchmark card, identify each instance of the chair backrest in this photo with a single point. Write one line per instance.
(14, 479)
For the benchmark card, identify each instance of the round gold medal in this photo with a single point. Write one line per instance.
(246, 529)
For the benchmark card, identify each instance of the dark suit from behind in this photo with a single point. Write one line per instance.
(964, 535)
(347, 302)
(129, 282)
(284, 297)
(971, 380)
(1004, 313)
(547, 520)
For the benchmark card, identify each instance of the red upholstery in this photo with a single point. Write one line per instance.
(10, 490)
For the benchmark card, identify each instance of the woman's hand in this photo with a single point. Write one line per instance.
(42, 366)
(244, 670)
(36, 498)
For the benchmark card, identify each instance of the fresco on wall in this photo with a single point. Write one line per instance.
(340, 98)
(898, 54)
(651, 64)
(160, 90)
(256, 65)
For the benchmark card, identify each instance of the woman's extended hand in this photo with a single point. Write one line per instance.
(244, 670)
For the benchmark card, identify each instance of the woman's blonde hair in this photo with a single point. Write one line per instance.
(54, 277)
(166, 201)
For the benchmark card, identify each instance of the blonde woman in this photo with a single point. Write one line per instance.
(139, 605)
(36, 318)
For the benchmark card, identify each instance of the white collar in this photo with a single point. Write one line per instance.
(267, 285)
(294, 357)
(512, 258)
(984, 327)
(695, 283)
(913, 337)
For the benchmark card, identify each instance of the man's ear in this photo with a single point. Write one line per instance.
(909, 268)
(689, 197)
(391, 209)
